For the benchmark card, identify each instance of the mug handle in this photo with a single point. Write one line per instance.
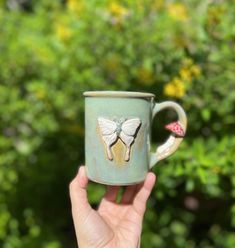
(173, 142)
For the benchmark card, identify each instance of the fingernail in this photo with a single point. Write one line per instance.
(82, 177)
(79, 167)
(82, 171)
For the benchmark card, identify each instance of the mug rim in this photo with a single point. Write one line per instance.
(112, 93)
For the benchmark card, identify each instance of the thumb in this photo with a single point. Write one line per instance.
(78, 195)
(89, 226)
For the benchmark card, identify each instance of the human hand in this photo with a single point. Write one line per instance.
(114, 224)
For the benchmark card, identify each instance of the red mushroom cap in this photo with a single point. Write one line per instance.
(176, 128)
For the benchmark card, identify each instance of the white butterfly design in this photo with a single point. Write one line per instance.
(124, 129)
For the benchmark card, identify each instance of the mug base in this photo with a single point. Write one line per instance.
(115, 183)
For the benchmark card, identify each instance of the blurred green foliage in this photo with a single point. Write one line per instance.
(52, 51)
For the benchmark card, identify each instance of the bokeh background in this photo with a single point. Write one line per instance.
(52, 51)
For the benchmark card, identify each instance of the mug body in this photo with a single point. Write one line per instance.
(117, 136)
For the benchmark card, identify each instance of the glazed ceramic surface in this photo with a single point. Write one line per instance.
(118, 133)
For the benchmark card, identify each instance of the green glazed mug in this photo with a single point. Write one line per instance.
(118, 132)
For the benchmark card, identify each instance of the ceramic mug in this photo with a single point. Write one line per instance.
(118, 132)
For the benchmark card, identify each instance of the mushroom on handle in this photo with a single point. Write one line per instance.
(176, 128)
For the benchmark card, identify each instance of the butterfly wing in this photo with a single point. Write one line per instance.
(129, 127)
(108, 130)
(106, 126)
(127, 140)
(109, 139)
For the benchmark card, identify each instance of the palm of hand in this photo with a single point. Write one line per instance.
(113, 224)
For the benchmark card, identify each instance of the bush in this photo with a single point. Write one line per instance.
(52, 51)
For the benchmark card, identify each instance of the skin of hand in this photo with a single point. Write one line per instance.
(113, 224)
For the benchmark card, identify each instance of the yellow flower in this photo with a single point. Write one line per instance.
(178, 11)
(186, 74)
(117, 10)
(63, 32)
(75, 6)
(175, 88)
(118, 13)
(145, 76)
(196, 70)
